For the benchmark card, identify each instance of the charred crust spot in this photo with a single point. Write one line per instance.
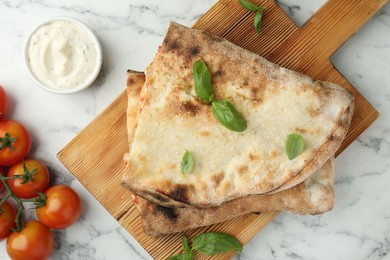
(242, 169)
(217, 178)
(194, 51)
(255, 94)
(171, 45)
(130, 81)
(170, 213)
(218, 73)
(189, 108)
(180, 193)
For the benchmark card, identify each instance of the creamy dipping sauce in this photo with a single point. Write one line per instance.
(62, 55)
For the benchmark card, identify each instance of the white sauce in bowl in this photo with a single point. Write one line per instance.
(63, 55)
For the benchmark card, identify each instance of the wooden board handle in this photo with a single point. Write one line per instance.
(333, 24)
(325, 31)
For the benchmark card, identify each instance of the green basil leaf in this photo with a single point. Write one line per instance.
(257, 21)
(188, 254)
(249, 6)
(186, 245)
(202, 81)
(294, 145)
(228, 116)
(187, 163)
(212, 243)
(182, 257)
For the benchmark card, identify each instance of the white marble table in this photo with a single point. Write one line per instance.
(357, 228)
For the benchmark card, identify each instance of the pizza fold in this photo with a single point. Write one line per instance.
(274, 101)
(313, 196)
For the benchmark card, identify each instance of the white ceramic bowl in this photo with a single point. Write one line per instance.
(88, 80)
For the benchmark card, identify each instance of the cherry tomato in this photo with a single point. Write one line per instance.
(41, 178)
(7, 219)
(62, 209)
(2, 172)
(15, 142)
(34, 242)
(3, 102)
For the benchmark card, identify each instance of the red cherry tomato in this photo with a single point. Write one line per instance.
(7, 219)
(15, 142)
(34, 242)
(3, 103)
(41, 179)
(2, 172)
(62, 209)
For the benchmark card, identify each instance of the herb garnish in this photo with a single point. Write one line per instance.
(202, 82)
(224, 111)
(294, 145)
(187, 163)
(227, 115)
(209, 243)
(254, 8)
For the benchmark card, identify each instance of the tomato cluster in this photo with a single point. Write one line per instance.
(28, 180)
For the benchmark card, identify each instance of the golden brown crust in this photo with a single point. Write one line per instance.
(326, 151)
(134, 84)
(274, 101)
(313, 196)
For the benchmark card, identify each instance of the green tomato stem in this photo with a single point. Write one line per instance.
(7, 141)
(14, 177)
(4, 199)
(18, 219)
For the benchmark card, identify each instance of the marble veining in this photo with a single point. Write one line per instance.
(130, 31)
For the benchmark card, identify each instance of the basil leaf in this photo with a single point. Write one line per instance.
(294, 145)
(182, 257)
(202, 81)
(186, 246)
(228, 116)
(212, 243)
(249, 6)
(187, 163)
(188, 254)
(257, 21)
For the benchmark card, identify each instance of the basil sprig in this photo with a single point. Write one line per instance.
(254, 8)
(224, 111)
(188, 253)
(212, 243)
(294, 145)
(187, 163)
(227, 115)
(209, 243)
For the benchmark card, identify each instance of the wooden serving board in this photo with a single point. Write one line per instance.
(306, 49)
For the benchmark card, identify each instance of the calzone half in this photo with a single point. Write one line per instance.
(274, 101)
(313, 196)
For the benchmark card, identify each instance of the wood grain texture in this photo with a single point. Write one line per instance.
(306, 49)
